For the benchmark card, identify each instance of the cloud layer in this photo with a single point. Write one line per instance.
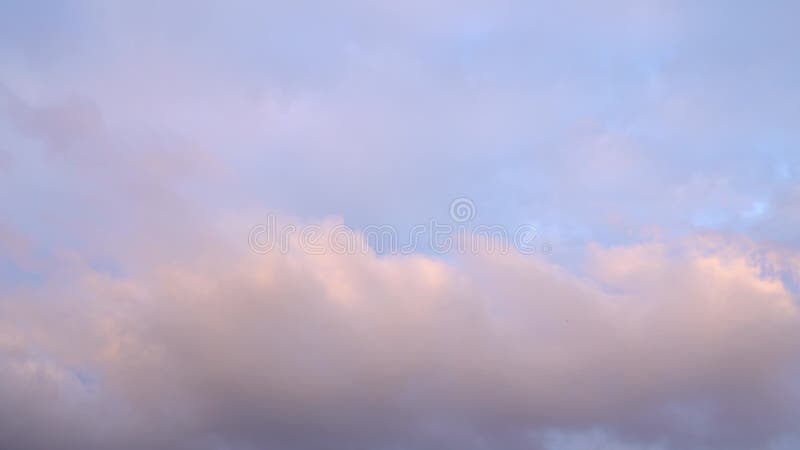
(688, 345)
(652, 144)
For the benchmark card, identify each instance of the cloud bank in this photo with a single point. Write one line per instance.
(682, 345)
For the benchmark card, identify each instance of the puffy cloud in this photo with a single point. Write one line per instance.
(683, 345)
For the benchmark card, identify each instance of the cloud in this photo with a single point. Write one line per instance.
(689, 118)
(683, 345)
(134, 139)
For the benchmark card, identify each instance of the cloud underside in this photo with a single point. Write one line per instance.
(682, 345)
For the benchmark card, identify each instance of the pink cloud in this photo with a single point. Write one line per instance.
(294, 349)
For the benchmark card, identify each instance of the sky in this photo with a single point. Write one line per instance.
(194, 198)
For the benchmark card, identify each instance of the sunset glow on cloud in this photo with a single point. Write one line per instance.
(399, 225)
